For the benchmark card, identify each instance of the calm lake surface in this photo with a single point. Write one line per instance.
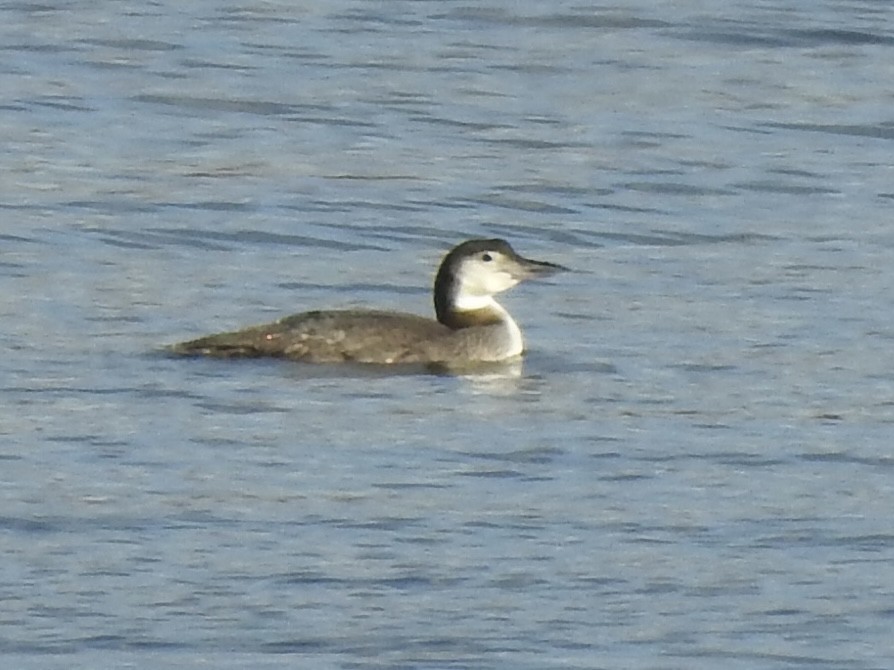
(692, 469)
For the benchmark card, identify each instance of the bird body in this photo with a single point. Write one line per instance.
(471, 325)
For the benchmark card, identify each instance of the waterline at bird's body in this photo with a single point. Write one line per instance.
(471, 325)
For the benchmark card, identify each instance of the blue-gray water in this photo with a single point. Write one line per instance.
(694, 468)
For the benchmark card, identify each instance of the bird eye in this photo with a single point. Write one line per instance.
(487, 258)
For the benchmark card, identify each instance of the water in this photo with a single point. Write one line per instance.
(692, 469)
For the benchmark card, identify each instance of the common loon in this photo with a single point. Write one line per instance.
(471, 326)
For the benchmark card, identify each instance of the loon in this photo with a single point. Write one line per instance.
(471, 326)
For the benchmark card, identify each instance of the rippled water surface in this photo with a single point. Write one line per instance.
(692, 469)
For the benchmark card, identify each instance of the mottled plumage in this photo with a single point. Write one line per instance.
(471, 325)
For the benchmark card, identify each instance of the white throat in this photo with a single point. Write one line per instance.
(515, 344)
(466, 302)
